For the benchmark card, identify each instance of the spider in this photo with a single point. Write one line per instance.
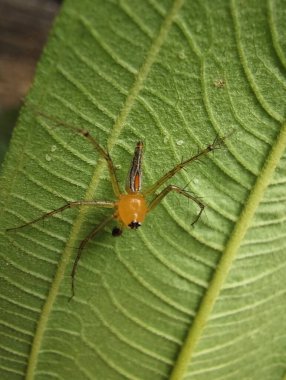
(131, 206)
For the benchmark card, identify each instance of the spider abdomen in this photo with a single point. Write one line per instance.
(131, 209)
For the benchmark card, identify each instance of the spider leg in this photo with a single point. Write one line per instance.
(106, 204)
(218, 142)
(103, 153)
(178, 190)
(81, 247)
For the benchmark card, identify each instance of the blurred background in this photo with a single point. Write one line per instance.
(24, 28)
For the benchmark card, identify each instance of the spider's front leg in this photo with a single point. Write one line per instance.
(217, 143)
(105, 155)
(86, 134)
(178, 190)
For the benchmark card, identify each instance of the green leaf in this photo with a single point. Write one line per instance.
(168, 301)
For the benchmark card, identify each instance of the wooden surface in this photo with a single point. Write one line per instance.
(24, 27)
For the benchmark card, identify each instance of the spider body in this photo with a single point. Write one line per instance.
(131, 207)
(131, 210)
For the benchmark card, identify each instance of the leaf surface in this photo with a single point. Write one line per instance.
(168, 301)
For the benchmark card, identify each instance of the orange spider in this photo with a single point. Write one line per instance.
(131, 207)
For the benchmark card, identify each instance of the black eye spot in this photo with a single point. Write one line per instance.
(134, 225)
(116, 231)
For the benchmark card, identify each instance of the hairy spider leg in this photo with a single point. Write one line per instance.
(211, 147)
(83, 243)
(104, 154)
(103, 204)
(83, 132)
(176, 189)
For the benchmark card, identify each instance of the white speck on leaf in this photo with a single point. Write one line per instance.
(182, 54)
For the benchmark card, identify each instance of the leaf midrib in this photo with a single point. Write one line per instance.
(228, 256)
(117, 128)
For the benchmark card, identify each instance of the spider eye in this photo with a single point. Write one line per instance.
(116, 231)
(134, 225)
